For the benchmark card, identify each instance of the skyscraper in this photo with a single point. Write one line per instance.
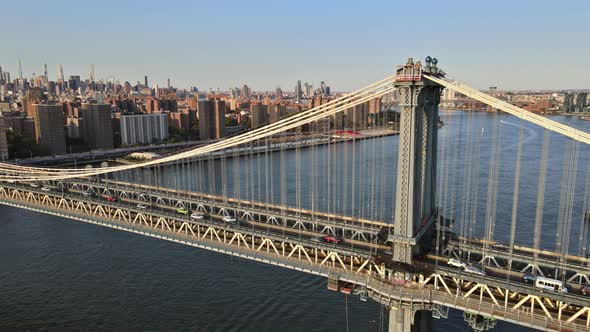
(20, 70)
(245, 91)
(49, 127)
(91, 73)
(211, 115)
(145, 82)
(324, 88)
(1, 76)
(46, 71)
(60, 73)
(74, 82)
(235, 93)
(168, 85)
(98, 125)
(298, 91)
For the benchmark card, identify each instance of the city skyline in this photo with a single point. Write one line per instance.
(266, 45)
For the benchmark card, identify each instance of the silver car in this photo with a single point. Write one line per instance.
(475, 270)
(456, 263)
(229, 219)
(198, 216)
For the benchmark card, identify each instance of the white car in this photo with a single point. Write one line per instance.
(141, 206)
(500, 246)
(229, 219)
(198, 216)
(474, 270)
(46, 189)
(456, 263)
(34, 185)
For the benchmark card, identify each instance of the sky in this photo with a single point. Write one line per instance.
(215, 44)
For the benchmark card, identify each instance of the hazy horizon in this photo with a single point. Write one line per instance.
(521, 45)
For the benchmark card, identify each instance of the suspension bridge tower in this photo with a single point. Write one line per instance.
(415, 208)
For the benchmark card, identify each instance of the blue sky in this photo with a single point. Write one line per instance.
(221, 44)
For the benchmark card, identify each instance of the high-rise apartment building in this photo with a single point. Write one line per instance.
(3, 142)
(143, 129)
(375, 106)
(74, 82)
(33, 96)
(356, 116)
(276, 111)
(98, 125)
(49, 122)
(278, 94)
(258, 115)
(448, 95)
(581, 102)
(211, 115)
(568, 103)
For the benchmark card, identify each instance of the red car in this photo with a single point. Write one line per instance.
(111, 199)
(331, 239)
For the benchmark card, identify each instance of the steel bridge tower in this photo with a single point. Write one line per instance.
(415, 208)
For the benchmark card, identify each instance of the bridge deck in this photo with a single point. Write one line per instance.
(451, 287)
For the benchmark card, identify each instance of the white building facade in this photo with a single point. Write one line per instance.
(143, 129)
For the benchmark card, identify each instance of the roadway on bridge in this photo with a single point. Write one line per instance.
(493, 280)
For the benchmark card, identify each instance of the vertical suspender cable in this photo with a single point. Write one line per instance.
(515, 197)
(584, 225)
(540, 201)
(476, 170)
(467, 190)
(490, 222)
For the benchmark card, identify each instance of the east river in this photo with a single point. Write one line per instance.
(62, 275)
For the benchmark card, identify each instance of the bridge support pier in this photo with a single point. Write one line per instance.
(407, 320)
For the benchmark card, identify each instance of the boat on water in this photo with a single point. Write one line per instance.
(585, 117)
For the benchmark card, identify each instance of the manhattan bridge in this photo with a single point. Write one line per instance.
(401, 224)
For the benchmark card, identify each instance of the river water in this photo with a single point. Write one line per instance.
(61, 275)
